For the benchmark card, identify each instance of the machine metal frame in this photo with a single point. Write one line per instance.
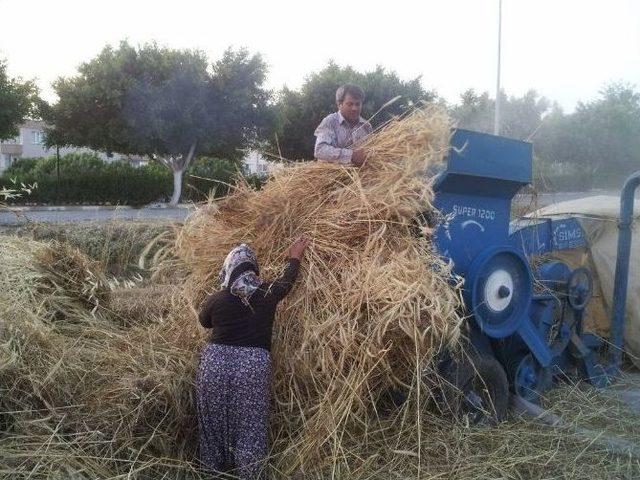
(529, 319)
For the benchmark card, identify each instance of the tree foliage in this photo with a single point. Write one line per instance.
(18, 101)
(598, 144)
(520, 116)
(168, 104)
(175, 105)
(299, 112)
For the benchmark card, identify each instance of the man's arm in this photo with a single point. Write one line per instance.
(325, 150)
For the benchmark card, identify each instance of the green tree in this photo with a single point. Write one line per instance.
(18, 101)
(521, 116)
(299, 112)
(168, 104)
(599, 143)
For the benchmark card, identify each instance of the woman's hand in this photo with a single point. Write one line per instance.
(298, 247)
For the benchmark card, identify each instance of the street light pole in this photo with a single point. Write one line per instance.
(496, 118)
(58, 173)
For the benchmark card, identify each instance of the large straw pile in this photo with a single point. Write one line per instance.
(100, 384)
(373, 303)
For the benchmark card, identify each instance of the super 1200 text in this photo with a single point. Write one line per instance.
(466, 211)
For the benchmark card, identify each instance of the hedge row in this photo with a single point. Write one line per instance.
(85, 179)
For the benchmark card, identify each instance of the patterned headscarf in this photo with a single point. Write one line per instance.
(246, 282)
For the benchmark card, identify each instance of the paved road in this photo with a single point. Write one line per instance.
(73, 214)
(96, 214)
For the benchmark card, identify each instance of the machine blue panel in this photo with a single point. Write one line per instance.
(474, 193)
(567, 233)
(547, 235)
(533, 333)
(471, 224)
(490, 156)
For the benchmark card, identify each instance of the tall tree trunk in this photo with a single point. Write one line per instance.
(177, 187)
(178, 166)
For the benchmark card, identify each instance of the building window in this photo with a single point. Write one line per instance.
(38, 137)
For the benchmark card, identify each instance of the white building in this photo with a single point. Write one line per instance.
(29, 143)
(256, 164)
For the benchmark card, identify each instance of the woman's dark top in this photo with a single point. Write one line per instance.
(237, 324)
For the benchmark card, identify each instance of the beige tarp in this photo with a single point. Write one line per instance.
(598, 216)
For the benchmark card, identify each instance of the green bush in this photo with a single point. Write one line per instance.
(24, 166)
(256, 181)
(86, 179)
(209, 176)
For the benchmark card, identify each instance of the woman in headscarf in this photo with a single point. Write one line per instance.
(235, 366)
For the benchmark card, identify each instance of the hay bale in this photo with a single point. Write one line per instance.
(374, 301)
(55, 279)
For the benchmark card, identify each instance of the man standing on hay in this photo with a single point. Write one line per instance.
(339, 133)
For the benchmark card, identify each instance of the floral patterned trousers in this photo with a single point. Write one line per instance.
(233, 409)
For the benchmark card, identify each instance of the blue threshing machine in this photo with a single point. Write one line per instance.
(525, 316)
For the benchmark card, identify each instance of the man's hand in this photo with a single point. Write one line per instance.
(298, 247)
(358, 157)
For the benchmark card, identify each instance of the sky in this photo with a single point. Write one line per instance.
(567, 50)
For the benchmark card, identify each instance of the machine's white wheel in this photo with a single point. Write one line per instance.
(498, 290)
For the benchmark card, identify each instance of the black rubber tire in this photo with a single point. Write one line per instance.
(489, 381)
(480, 378)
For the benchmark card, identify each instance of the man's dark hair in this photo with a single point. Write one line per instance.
(348, 89)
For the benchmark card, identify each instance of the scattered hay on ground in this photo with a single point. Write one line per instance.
(116, 245)
(142, 304)
(107, 392)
